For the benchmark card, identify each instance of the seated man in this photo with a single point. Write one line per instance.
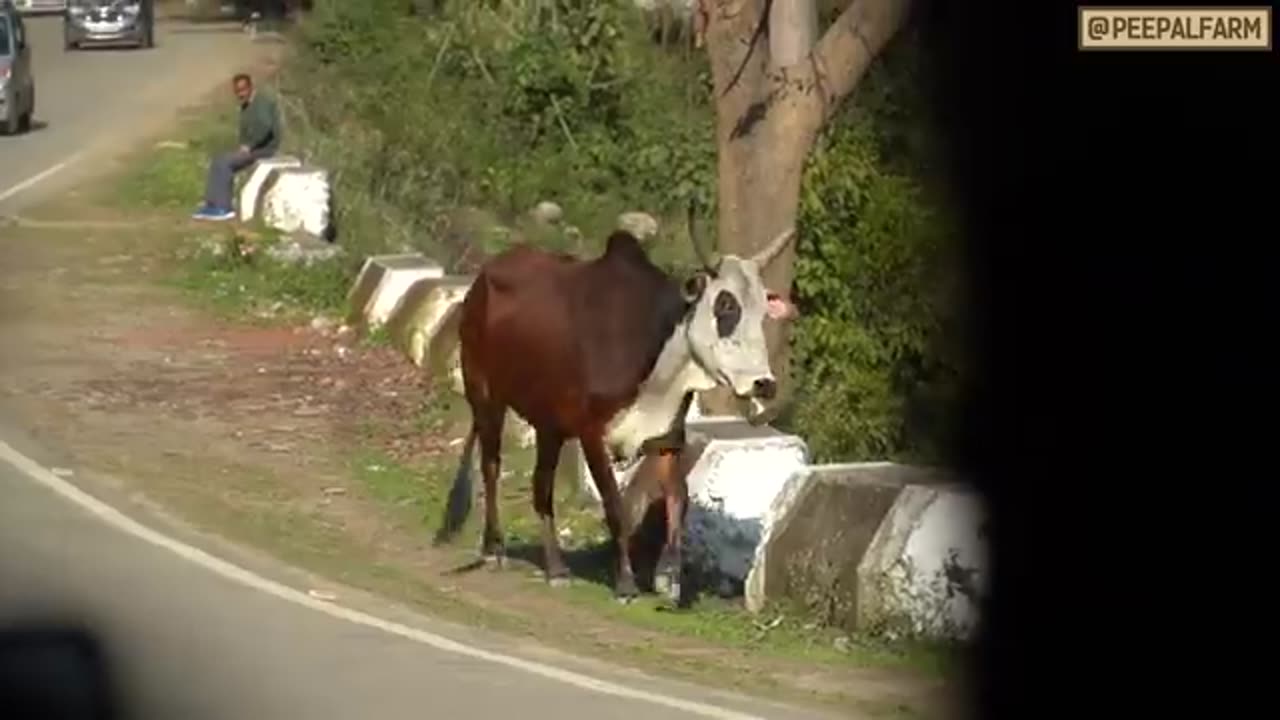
(259, 138)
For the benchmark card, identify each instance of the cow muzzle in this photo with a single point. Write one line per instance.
(762, 390)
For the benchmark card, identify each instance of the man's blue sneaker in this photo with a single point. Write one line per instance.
(208, 212)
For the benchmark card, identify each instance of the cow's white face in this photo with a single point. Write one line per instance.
(726, 326)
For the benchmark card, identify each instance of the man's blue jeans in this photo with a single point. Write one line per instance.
(220, 184)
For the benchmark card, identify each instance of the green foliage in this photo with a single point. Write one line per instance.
(236, 276)
(875, 280)
(498, 106)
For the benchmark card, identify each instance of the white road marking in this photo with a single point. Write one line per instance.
(37, 178)
(120, 521)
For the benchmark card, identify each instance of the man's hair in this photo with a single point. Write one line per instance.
(241, 77)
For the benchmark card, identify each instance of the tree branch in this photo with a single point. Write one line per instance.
(728, 32)
(845, 51)
(793, 27)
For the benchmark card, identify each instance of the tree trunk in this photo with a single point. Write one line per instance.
(775, 89)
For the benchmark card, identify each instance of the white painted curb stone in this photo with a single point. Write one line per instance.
(928, 563)
(383, 281)
(252, 188)
(298, 200)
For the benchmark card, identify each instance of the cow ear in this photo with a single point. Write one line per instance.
(694, 286)
(779, 308)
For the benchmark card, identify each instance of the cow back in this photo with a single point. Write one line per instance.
(564, 341)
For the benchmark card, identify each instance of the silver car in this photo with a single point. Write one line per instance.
(33, 7)
(17, 83)
(88, 22)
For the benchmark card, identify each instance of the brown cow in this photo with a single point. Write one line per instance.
(609, 351)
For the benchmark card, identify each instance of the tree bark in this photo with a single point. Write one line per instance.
(775, 88)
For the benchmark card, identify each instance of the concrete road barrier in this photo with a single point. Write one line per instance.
(381, 284)
(254, 188)
(297, 200)
(733, 471)
(875, 546)
(424, 324)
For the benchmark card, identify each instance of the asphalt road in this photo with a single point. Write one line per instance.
(93, 102)
(197, 642)
(197, 645)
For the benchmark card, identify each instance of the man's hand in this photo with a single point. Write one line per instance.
(244, 150)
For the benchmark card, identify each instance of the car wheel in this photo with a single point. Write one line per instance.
(25, 120)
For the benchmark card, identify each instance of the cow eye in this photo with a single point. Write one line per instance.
(727, 312)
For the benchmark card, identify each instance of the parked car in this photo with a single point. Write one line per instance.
(39, 7)
(90, 22)
(17, 82)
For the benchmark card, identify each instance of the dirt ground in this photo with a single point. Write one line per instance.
(272, 435)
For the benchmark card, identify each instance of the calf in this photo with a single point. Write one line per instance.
(609, 351)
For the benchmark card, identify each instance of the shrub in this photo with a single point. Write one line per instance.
(495, 106)
(876, 354)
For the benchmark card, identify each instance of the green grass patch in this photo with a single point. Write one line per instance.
(170, 175)
(232, 275)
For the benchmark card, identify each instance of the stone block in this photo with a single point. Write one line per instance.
(382, 282)
(424, 323)
(736, 471)
(297, 199)
(873, 545)
(252, 191)
(926, 571)
(733, 471)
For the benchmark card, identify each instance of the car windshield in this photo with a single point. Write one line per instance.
(5, 44)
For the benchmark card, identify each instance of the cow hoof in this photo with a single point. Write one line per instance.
(626, 591)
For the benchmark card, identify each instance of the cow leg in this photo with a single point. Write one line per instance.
(667, 574)
(624, 587)
(544, 487)
(489, 430)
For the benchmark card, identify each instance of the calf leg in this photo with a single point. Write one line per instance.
(489, 431)
(544, 485)
(624, 584)
(667, 574)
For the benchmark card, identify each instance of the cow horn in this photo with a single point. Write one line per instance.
(775, 246)
(703, 256)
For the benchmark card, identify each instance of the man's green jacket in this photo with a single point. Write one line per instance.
(260, 124)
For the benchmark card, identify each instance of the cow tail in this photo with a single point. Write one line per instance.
(458, 506)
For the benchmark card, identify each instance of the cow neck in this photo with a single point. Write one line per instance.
(652, 414)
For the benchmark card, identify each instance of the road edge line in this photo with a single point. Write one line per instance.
(115, 518)
(38, 178)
